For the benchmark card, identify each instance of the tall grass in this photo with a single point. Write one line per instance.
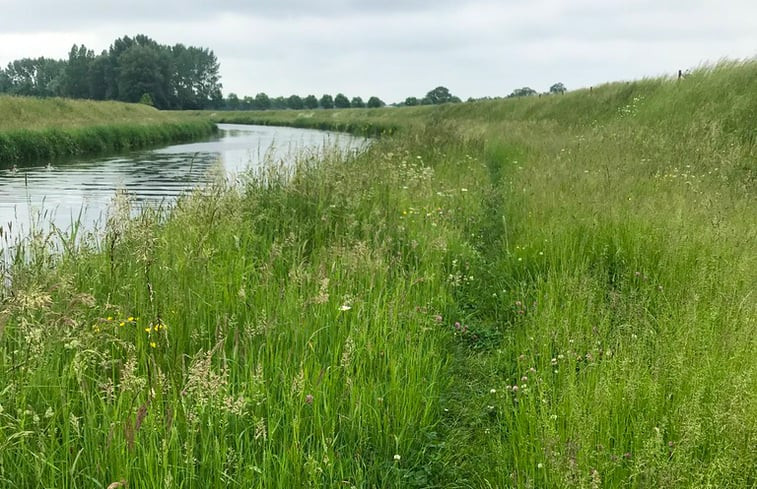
(553, 292)
(36, 130)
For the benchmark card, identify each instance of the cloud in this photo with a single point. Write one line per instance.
(397, 48)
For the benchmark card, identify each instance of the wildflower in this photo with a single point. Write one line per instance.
(153, 344)
(554, 361)
(438, 318)
(493, 391)
(309, 399)
(397, 457)
(515, 388)
(122, 324)
(524, 379)
(540, 465)
(345, 307)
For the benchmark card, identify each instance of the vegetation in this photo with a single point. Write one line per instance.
(537, 292)
(172, 77)
(42, 130)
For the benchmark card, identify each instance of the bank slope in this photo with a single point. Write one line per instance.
(42, 130)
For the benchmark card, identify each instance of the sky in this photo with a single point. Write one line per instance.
(399, 48)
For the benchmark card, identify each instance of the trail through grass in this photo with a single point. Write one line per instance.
(552, 292)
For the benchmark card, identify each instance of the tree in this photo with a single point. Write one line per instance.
(440, 95)
(375, 102)
(295, 102)
(99, 77)
(412, 101)
(522, 92)
(5, 82)
(357, 103)
(144, 69)
(174, 77)
(262, 102)
(327, 102)
(232, 101)
(196, 81)
(76, 82)
(40, 77)
(558, 88)
(311, 102)
(341, 101)
(146, 99)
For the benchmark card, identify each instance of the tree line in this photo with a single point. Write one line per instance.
(262, 101)
(134, 69)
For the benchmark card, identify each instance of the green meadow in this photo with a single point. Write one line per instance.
(528, 293)
(34, 130)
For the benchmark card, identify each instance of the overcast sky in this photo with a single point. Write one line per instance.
(395, 48)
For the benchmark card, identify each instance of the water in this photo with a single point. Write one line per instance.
(42, 196)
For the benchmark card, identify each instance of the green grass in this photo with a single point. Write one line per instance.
(42, 130)
(362, 321)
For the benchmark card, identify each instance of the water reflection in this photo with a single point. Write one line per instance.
(82, 190)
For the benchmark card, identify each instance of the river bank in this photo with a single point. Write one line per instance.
(549, 292)
(49, 130)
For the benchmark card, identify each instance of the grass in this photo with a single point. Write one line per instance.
(552, 292)
(42, 130)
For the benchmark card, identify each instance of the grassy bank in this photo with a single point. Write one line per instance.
(364, 122)
(42, 130)
(552, 292)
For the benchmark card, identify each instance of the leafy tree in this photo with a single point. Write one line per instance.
(146, 99)
(175, 77)
(439, 95)
(341, 101)
(232, 101)
(262, 102)
(99, 77)
(295, 102)
(375, 102)
(144, 69)
(76, 83)
(40, 77)
(310, 102)
(279, 103)
(522, 92)
(5, 82)
(412, 101)
(558, 88)
(196, 80)
(326, 102)
(357, 103)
